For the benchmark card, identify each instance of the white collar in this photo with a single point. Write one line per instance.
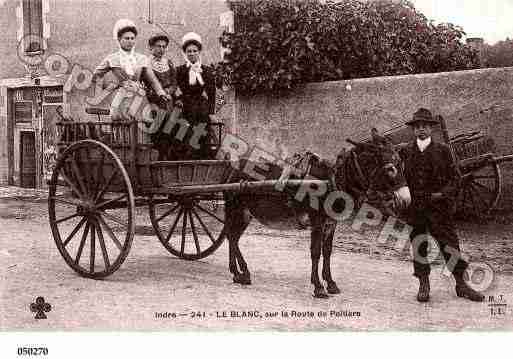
(160, 65)
(128, 60)
(194, 71)
(423, 144)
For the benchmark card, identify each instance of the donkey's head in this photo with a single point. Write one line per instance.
(373, 173)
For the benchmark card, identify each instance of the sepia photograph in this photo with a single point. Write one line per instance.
(255, 166)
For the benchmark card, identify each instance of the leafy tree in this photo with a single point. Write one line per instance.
(499, 54)
(280, 44)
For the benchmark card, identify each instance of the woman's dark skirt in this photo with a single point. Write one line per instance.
(170, 147)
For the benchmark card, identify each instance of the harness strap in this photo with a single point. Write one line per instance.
(354, 156)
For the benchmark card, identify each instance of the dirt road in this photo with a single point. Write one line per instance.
(154, 291)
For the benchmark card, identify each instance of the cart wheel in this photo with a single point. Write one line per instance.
(480, 190)
(188, 227)
(91, 209)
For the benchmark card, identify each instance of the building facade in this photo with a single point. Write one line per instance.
(50, 48)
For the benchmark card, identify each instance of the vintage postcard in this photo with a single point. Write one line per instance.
(258, 165)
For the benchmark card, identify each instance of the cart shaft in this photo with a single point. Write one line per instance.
(506, 158)
(242, 187)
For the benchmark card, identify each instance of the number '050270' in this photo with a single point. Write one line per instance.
(32, 351)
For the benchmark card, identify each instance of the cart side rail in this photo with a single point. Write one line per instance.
(112, 133)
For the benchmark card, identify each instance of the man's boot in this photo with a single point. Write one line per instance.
(423, 295)
(463, 290)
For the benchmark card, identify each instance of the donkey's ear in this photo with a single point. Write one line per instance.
(315, 156)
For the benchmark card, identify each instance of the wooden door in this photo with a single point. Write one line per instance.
(28, 163)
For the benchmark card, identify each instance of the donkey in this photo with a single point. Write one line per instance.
(381, 175)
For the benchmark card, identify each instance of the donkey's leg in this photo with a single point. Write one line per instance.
(245, 276)
(244, 220)
(236, 223)
(327, 247)
(232, 260)
(315, 254)
(230, 228)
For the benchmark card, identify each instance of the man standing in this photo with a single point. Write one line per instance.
(433, 180)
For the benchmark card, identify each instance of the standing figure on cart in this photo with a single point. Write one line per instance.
(165, 72)
(197, 92)
(163, 69)
(129, 68)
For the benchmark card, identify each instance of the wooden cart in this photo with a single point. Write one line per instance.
(104, 171)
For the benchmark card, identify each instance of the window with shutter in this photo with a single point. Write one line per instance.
(33, 25)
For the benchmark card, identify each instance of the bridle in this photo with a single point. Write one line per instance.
(388, 201)
(359, 171)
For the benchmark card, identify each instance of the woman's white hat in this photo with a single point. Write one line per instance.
(122, 24)
(191, 37)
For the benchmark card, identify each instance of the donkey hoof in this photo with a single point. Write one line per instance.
(320, 293)
(333, 288)
(242, 279)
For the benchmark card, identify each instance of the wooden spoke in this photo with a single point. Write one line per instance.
(483, 177)
(472, 199)
(95, 182)
(66, 218)
(194, 234)
(113, 218)
(82, 243)
(68, 201)
(79, 177)
(65, 171)
(103, 246)
(105, 203)
(463, 196)
(110, 232)
(75, 230)
(106, 186)
(174, 225)
(184, 233)
(93, 247)
(167, 213)
(71, 185)
(209, 213)
(99, 176)
(89, 179)
(204, 227)
(483, 200)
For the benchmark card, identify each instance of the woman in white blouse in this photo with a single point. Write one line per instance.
(129, 67)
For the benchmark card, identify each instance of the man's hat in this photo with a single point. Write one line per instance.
(423, 115)
(157, 37)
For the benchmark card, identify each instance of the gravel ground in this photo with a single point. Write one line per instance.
(378, 291)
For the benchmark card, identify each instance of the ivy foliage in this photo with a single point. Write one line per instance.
(279, 44)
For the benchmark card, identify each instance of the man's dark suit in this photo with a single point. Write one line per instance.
(427, 172)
